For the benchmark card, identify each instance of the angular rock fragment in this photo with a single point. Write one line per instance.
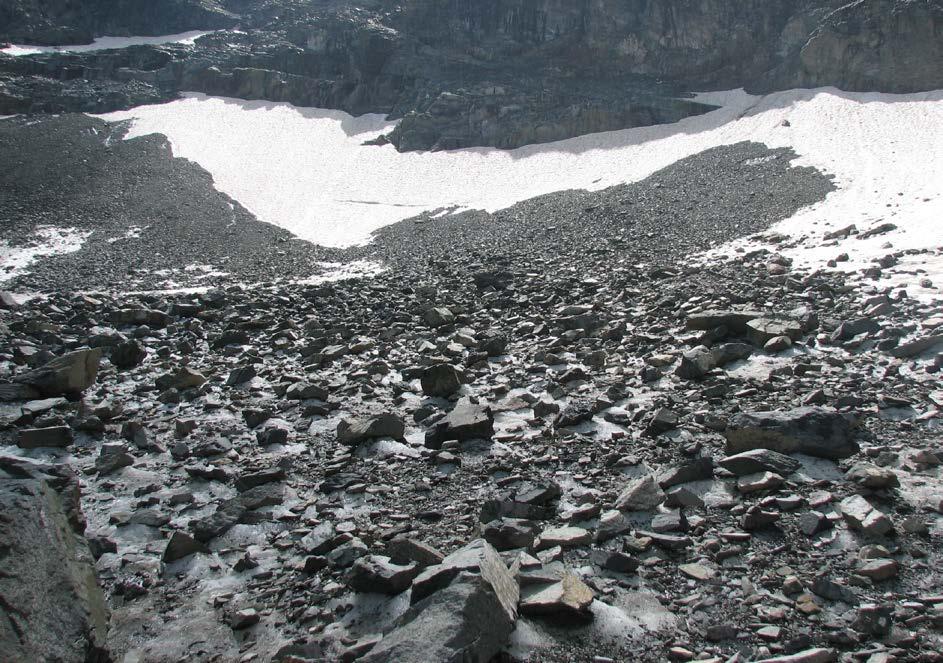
(182, 545)
(356, 430)
(70, 374)
(440, 380)
(569, 598)
(760, 460)
(642, 494)
(35, 438)
(862, 516)
(378, 574)
(810, 430)
(465, 621)
(466, 421)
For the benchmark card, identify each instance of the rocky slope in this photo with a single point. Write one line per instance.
(548, 434)
(502, 73)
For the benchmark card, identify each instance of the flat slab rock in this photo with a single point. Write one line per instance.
(810, 430)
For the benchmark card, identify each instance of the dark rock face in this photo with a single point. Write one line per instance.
(51, 607)
(502, 73)
(70, 22)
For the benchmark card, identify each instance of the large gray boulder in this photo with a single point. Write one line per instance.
(70, 374)
(463, 623)
(51, 607)
(809, 430)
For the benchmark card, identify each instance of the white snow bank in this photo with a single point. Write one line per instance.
(105, 43)
(306, 170)
(50, 241)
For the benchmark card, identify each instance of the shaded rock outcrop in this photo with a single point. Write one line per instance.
(504, 73)
(51, 607)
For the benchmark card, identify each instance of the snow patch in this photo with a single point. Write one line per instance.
(307, 170)
(49, 241)
(106, 43)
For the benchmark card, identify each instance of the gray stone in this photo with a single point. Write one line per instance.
(112, 457)
(378, 574)
(511, 533)
(810, 430)
(696, 363)
(440, 380)
(355, 430)
(642, 494)
(569, 598)
(403, 550)
(182, 545)
(71, 373)
(871, 476)
(35, 438)
(127, 354)
(466, 421)
(862, 516)
(434, 578)
(139, 316)
(184, 378)
(465, 621)
(438, 317)
(734, 320)
(762, 330)
(760, 460)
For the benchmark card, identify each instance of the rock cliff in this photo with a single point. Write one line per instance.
(485, 72)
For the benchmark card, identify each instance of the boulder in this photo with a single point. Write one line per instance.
(810, 430)
(139, 316)
(184, 378)
(182, 545)
(127, 354)
(355, 430)
(861, 515)
(441, 380)
(760, 460)
(642, 494)
(439, 317)
(734, 320)
(378, 574)
(53, 436)
(762, 330)
(696, 363)
(569, 598)
(465, 621)
(466, 421)
(69, 374)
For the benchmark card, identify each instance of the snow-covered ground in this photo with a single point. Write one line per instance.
(49, 241)
(308, 171)
(105, 43)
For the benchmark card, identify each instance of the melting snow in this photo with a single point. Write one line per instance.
(49, 241)
(105, 43)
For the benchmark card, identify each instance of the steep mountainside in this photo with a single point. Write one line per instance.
(484, 72)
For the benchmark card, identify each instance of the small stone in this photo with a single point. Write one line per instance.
(569, 598)
(244, 619)
(862, 516)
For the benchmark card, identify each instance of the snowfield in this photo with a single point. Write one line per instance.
(308, 171)
(105, 43)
